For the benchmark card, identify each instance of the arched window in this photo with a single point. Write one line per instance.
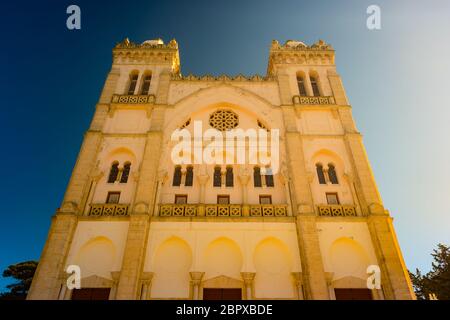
(133, 82)
(332, 174)
(217, 177)
(114, 172)
(269, 178)
(301, 85)
(125, 172)
(189, 176)
(177, 177)
(320, 174)
(229, 177)
(146, 84)
(314, 86)
(257, 177)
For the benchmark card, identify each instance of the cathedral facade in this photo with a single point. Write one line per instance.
(140, 225)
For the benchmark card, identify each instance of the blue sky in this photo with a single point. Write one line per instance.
(396, 79)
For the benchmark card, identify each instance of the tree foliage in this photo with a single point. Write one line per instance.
(437, 280)
(23, 272)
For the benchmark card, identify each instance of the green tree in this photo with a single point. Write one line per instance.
(437, 280)
(22, 272)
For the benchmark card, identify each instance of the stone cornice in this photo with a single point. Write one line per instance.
(296, 52)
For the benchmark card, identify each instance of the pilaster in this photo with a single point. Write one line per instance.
(79, 182)
(196, 279)
(314, 278)
(249, 284)
(47, 283)
(394, 274)
(147, 183)
(134, 257)
(366, 188)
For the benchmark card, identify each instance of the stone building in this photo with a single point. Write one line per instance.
(140, 226)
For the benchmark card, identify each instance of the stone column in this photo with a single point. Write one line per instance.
(183, 176)
(96, 176)
(350, 180)
(162, 176)
(329, 276)
(394, 274)
(196, 279)
(63, 293)
(46, 283)
(286, 180)
(308, 87)
(244, 179)
(298, 285)
(202, 179)
(146, 280)
(115, 280)
(248, 278)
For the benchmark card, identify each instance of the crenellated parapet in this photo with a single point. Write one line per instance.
(148, 52)
(297, 52)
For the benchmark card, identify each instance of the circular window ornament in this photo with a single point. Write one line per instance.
(223, 120)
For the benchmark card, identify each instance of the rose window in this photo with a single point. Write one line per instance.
(223, 120)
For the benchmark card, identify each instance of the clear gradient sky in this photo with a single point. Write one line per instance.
(397, 80)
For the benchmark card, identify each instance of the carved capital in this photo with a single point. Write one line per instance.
(248, 277)
(196, 277)
(147, 277)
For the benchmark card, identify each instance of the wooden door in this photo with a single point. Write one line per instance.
(91, 294)
(353, 294)
(222, 294)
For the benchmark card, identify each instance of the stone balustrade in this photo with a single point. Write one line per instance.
(108, 209)
(336, 210)
(133, 99)
(309, 100)
(222, 210)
